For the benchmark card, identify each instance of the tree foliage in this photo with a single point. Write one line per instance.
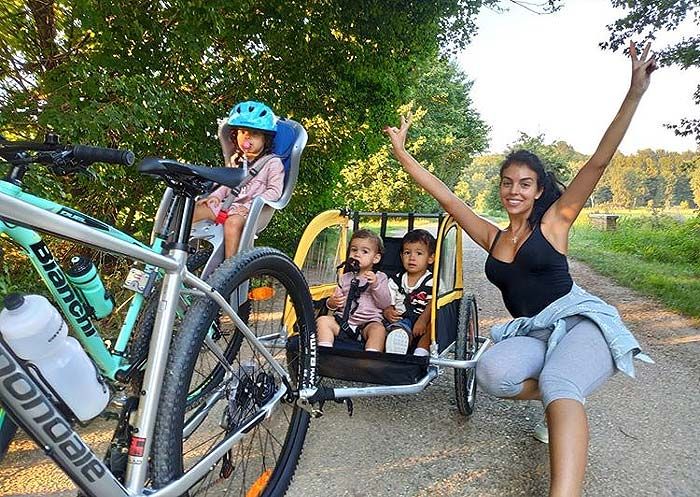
(155, 76)
(652, 178)
(645, 19)
(446, 133)
(478, 182)
(648, 178)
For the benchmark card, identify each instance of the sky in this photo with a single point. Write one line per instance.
(547, 74)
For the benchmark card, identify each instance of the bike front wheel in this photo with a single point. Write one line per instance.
(254, 400)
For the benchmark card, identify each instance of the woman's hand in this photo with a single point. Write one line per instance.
(398, 135)
(642, 67)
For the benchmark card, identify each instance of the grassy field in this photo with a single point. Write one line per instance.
(654, 253)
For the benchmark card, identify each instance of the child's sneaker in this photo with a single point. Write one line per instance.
(397, 341)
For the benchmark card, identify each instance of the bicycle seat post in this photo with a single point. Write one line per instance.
(183, 235)
(160, 341)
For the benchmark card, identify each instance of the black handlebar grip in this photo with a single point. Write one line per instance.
(107, 155)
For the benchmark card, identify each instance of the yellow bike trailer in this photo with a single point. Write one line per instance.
(454, 330)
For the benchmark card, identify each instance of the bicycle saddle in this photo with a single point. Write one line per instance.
(178, 171)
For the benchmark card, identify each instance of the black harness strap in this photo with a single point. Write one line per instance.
(252, 173)
(351, 303)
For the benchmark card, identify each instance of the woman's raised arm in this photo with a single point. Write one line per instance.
(569, 205)
(479, 229)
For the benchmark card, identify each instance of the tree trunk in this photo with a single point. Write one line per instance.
(45, 22)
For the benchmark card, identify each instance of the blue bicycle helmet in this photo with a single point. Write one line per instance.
(253, 115)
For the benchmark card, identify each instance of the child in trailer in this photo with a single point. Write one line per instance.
(360, 297)
(249, 145)
(411, 292)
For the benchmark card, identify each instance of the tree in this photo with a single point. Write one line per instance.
(156, 79)
(558, 157)
(447, 132)
(655, 178)
(645, 18)
(695, 184)
(477, 180)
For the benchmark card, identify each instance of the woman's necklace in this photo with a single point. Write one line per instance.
(516, 236)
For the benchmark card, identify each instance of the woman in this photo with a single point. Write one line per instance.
(563, 343)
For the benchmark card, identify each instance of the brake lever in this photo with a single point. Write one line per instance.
(62, 164)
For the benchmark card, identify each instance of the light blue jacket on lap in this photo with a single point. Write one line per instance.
(578, 302)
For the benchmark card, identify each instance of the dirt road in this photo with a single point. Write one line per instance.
(645, 438)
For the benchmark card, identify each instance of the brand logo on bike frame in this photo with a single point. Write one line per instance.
(68, 296)
(312, 354)
(21, 388)
(82, 218)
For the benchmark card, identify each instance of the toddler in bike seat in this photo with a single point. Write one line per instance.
(359, 298)
(253, 127)
(411, 292)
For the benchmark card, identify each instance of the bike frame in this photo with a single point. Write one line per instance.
(62, 290)
(25, 400)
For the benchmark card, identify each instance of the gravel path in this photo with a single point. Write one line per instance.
(645, 440)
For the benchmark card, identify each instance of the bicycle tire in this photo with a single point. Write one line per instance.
(466, 346)
(171, 455)
(141, 338)
(7, 432)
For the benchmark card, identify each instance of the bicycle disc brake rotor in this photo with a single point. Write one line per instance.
(252, 392)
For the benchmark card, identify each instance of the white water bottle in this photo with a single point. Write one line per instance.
(36, 332)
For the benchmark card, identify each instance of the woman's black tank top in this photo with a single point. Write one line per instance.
(538, 275)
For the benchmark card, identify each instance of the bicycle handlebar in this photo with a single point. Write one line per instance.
(87, 154)
(58, 155)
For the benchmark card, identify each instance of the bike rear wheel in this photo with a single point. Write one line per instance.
(263, 461)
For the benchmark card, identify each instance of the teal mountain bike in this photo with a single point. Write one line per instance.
(221, 407)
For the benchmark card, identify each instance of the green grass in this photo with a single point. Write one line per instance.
(655, 255)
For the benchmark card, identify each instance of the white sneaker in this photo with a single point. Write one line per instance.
(397, 341)
(541, 432)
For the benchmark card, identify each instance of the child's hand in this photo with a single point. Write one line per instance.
(213, 202)
(420, 327)
(391, 314)
(336, 301)
(371, 277)
(239, 209)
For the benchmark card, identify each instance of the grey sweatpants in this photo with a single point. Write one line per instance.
(580, 363)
